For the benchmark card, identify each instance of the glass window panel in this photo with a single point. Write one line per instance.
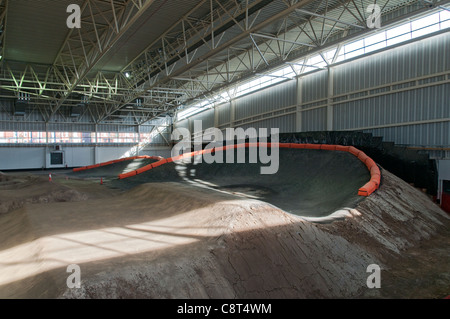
(398, 31)
(399, 39)
(376, 46)
(425, 31)
(353, 46)
(445, 24)
(354, 53)
(425, 21)
(375, 39)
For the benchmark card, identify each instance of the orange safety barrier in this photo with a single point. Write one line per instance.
(299, 146)
(159, 163)
(366, 190)
(369, 163)
(328, 147)
(354, 151)
(126, 175)
(143, 169)
(313, 146)
(79, 169)
(363, 157)
(342, 148)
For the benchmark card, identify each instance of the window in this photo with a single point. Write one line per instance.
(66, 138)
(354, 49)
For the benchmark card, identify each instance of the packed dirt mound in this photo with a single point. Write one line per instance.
(16, 191)
(313, 183)
(174, 240)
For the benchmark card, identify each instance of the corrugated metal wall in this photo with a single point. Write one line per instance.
(402, 94)
(270, 99)
(206, 117)
(314, 86)
(398, 108)
(285, 124)
(224, 114)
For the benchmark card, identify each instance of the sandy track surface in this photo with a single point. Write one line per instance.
(173, 240)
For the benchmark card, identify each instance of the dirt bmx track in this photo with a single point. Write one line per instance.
(222, 231)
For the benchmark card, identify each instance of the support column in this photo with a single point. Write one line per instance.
(330, 106)
(299, 102)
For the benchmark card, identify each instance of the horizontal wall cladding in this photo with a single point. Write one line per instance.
(269, 99)
(413, 60)
(429, 103)
(285, 124)
(431, 135)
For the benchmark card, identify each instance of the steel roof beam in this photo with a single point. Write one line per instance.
(125, 17)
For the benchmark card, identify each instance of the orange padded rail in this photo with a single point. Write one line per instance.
(366, 190)
(79, 169)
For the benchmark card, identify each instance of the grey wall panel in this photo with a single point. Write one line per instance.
(207, 118)
(417, 59)
(224, 113)
(76, 127)
(272, 98)
(162, 139)
(314, 86)
(110, 128)
(285, 124)
(428, 103)
(396, 106)
(314, 120)
(181, 124)
(432, 135)
(22, 126)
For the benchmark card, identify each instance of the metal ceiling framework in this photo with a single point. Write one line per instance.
(212, 47)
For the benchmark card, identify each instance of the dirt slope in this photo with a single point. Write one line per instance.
(175, 240)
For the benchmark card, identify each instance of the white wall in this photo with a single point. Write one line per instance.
(37, 157)
(79, 156)
(22, 157)
(163, 151)
(108, 153)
